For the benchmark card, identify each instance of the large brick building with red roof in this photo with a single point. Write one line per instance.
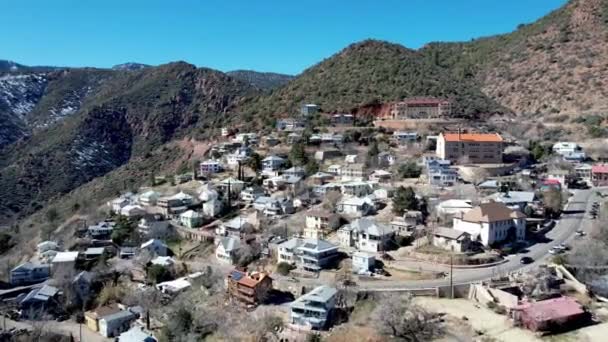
(475, 148)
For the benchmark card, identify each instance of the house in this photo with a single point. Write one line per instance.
(566, 147)
(420, 108)
(307, 254)
(183, 178)
(132, 211)
(309, 109)
(231, 185)
(343, 119)
(47, 246)
(64, 262)
(271, 140)
(118, 203)
(314, 309)
(353, 171)
(114, 324)
(191, 219)
(155, 247)
(178, 285)
(293, 138)
(94, 253)
(492, 222)
(367, 235)
(453, 207)
(210, 166)
(550, 314)
(351, 158)
(164, 261)
(136, 334)
(474, 148)
(406, 225)
(356, 188)
(355, 206)
(240, 156)
(148, 198)
(227, 249)
(451, 239)
(599, 174)
(92, 317)
(293, 184)
(327, 155)
(249, 288)
(29, 273)
(321, 178)
(330, 138)
(443, 177)
(279, 206)
(516, 200)
(207, 192)
(290, 125)
(583, 173)
(152, 228)
(39, 302)
(335, 169)
(127, 252)
(562, 176)
(380, 176)
(405, 137)
(213, 208)
(246, 138)
(250, 194)
(101, 230)
(296, 171)
(236, 227)
(322, 219)
(272, 163)
(363, 262)
(386, 159)
(175, 204)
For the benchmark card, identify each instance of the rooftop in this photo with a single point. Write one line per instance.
(65, 257)
(319, 294)
(449, 233)
(552, 309)
(599, 168)
(473, 137)
(491, 212)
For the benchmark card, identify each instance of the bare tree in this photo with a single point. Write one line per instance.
(397, 316)
(331, 200)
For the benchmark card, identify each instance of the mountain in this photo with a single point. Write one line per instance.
(261, 80)
(371, 72)
(556, 65)
(13, 67)
(130, 66)
(127, 117)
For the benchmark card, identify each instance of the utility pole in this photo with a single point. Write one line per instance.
(451, 276)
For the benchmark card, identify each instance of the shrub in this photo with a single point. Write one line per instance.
(284, 268)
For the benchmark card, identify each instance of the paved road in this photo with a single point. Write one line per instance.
(563, 232)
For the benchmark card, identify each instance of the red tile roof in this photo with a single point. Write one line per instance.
(473, 137)
(552, 309)
(599, 168)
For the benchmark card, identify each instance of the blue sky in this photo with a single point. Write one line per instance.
(267, 35)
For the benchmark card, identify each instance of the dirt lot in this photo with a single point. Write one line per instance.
(479, 319)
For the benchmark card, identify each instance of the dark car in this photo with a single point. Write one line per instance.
(526, 260)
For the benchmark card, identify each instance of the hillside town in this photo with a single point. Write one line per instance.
(309, 232)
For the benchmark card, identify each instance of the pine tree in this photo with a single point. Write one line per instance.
(404, 199)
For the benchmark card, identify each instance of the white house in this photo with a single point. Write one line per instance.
(120, 202)
(47, 246)
(155, 246)
(351, 159)
(335, 169)
(565, 148)
(132, 211)
(213, 208)
(251, 193)
(380, 176)
(313, 309)
(148, 198)
(451, 239)
(367, 235)
(308, 254)
(64, 262)
(211, 166)
(492, 222)
(355, 206)
(227, 249)
(363, 262)
(236, 227)
(405, 137)
(272, 163)
(191, 219)
(116, 323)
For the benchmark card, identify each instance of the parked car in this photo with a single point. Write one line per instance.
(580, 233)
(526, 260)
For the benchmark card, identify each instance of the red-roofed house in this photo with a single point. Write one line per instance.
(475, 148)
(599, 174)
(250, 288)
(550, 314)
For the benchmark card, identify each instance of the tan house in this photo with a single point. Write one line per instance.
(92, 317)
(319, 223)
(474, 148)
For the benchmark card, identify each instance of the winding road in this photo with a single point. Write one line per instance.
(571, 220)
